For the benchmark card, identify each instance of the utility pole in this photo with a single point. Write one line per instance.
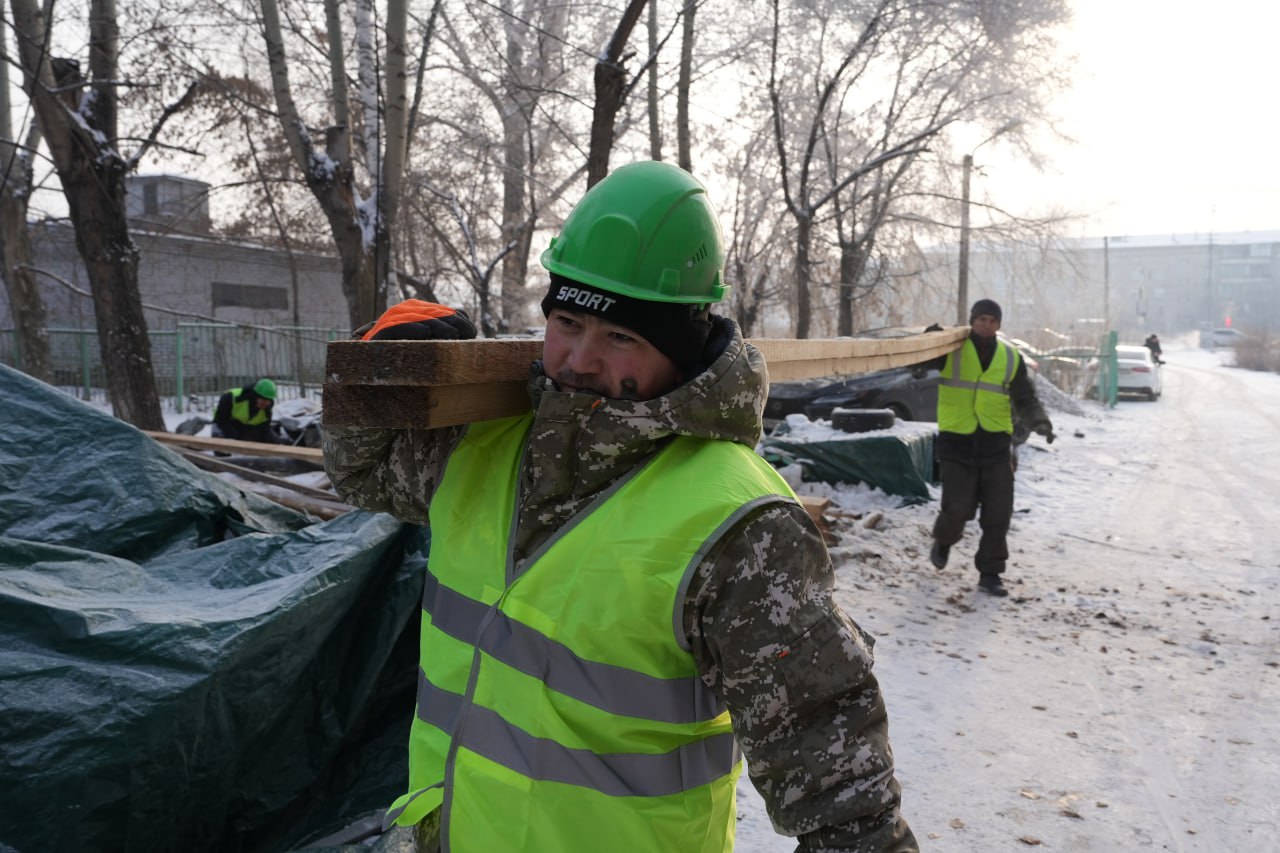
(962, 295)
(1106, 284)
(962, 299)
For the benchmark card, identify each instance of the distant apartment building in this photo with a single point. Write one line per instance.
(1135, 285)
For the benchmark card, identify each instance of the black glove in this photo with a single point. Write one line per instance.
(1045, 428)
(933, 327)
(416, 320)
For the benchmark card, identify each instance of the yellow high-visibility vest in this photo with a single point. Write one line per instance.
(561, 709)
(241, 413)
(969, 396)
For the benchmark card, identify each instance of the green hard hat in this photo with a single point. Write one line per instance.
(265, 388)
(646, 231)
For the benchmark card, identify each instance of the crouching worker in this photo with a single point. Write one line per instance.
(244, 414)
(620, 590)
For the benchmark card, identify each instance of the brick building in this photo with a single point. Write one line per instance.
(191, 284)
(183, 268)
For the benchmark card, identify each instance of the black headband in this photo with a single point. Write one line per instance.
(678, 330)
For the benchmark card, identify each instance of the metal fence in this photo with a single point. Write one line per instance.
(193, 363)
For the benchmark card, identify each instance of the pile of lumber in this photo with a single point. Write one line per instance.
(426, 384)
(321, 503)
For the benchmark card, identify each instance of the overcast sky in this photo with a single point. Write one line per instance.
(1175, 111)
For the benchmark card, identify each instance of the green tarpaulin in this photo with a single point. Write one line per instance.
(184, 666)
(898, 462)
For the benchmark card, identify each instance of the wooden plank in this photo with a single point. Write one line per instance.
(817, 507)
(402, 363)
(222, 466)
(324, 510)
(429, 384)
(790, 359)
(424, 407)
(248, 448)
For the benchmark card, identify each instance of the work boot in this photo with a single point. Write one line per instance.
(938, 555)
(992, 585)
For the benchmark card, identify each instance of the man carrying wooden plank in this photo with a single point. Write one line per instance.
(981, 387)
(620, 590)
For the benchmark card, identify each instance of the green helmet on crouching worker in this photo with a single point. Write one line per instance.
(265, 388)
(646, 231)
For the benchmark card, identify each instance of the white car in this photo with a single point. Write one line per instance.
(1224, 337)
(1137, 372)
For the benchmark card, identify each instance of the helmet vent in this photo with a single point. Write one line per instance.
(699, 256)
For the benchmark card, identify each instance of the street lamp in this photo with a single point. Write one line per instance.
(962, 297)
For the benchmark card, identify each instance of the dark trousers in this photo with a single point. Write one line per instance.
(965, 488)
(262, 433)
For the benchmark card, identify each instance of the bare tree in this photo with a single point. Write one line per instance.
(78, 118)
(800, 182)
(887, 78)
(611, 88)
(516, 91)
(18, 178)
(361, 222)
(757, 236)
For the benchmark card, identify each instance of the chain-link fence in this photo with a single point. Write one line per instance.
(193, 363)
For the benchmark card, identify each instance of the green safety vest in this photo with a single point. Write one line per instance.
(561, 709)
(969, 396)
(240, 410)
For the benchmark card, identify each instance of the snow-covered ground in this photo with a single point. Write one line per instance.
(1126, 695)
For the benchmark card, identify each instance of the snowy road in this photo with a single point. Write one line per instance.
(1126, 695)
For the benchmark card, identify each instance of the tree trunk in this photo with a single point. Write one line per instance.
(517, 234)
(92, 173)
(655, 127)
(331, 176)
(516, 227)
(29, 316)
(611, 89)
(394, 143)
(749, 299)
(25, 303)
(850, 272)
(804, 241)
(95, 197)
(684, 156)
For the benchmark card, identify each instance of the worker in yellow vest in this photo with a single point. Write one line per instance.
(621, 593)
(244, 414)
(980, 385)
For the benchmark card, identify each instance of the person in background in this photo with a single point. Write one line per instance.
(244, 414)
(980, 386)
(621, 592)
(1153, 343)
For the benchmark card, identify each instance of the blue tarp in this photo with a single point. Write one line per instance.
(184, 666)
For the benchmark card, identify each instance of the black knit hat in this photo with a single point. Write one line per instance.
(678, 330)
(985, 306)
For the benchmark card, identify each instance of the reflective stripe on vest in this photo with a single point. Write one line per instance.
(969, 396)
(560, 709)
(240, 410)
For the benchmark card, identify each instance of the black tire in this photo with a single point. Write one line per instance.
(862, 420)
(900, 411)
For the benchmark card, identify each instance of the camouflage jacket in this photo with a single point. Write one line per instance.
(793, 669)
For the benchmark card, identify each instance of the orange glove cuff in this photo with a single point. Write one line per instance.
(408, 311)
